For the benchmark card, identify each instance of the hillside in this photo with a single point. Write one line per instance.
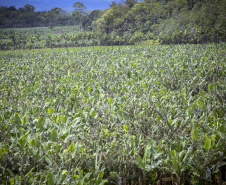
(171, 21)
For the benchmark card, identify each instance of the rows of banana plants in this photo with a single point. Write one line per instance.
(45, 38)
(64, 38)
(29, 38)
(139, 115)
(37, 30)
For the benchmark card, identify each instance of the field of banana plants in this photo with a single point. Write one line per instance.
(67, 36)
(138, 115)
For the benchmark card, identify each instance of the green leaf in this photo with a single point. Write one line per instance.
(101, 174)
(58, 148)
(103, 182)
(50, 111)
(33, 142)
(222, 128)
(213, 140)
(48, 146)
(195, 135)
(40, 123)
(174, 163)
(147, 152)
(58, 118)
(125, 128)
(208, 144)
(72, 147)
(170, 120)
(205, 138)
(92, 113)
(110, 100)
(48, 161)
(17, 120)
(76, 115)
(64, 172)
(36, 111)
(139, 161)
(64, 119)
(50, 178)
(76, 176)
(113, 175)
(24, 120)
(173, 152)
(12, 181)
(62, 109)
(87, 176)
(85, 99)
(53, 135)
(10, 172)
(2, 151)
(210, 87)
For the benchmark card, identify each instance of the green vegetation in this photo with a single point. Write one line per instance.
(26, 16)
(76, 109)
(170, 21)
(37, 31)
(72, 49)
(124, 23)
(135, 115)
(37, 37)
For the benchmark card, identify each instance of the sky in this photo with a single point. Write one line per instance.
(64, 4)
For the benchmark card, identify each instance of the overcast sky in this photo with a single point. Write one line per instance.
(64, 4)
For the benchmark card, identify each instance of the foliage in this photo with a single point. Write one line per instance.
(172, 22)
(26, 16)
(79, 9)
(20, 38)
(168, 21)
(128, 114)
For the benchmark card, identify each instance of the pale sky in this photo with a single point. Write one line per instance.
(65, 5)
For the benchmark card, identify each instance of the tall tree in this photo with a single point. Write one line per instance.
(79, 9)
(130, 3)
(29, 8)
(93, 16)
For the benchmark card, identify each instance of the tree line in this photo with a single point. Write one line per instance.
(26, 16)
(79, 39)
(171, 21)
(168, 21)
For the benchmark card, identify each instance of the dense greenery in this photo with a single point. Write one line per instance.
(135, 115)
(69, 36)
(171, 21)
(38, 37)
(130, 21)
(131, 115)
(26, 16)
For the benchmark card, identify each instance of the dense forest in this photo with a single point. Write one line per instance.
(26, 17)
(168, 21)
(172, 21)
